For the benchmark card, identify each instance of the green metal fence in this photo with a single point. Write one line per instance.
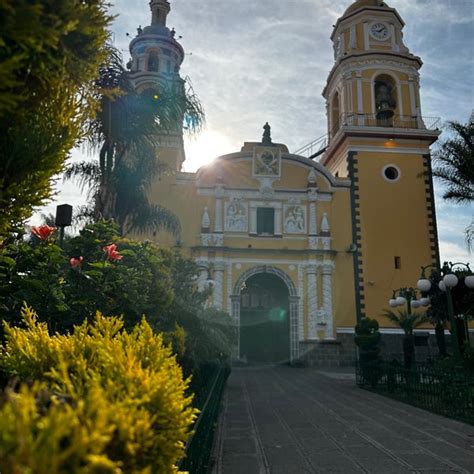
(198, 449)
(442, 391)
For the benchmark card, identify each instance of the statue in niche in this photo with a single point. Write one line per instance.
(295, 220)
(236, 217)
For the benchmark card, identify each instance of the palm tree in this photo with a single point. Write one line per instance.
(469, 233)
(407, 322)
(454, 162)
(126, 134)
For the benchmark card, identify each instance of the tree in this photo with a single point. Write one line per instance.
(126, 134)
(454, 162)
(50, 52)
(407, 322)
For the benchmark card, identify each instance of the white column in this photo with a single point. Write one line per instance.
(366, 36)
(311, 272)
(353, 38)
(360, 99)
(313, 227)
(278, 219)
(219, 268)
(294, 344)
(301, 335)
(236, 319)
(327, 299)
(411, 85)
(218, 217)
(253, 219)
(229, 287)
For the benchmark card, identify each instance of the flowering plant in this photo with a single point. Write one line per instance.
(112, 253)
(76, 262)
(43, 232)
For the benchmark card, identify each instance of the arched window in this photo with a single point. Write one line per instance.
(385, 103)
(335, 114)
(153, 62)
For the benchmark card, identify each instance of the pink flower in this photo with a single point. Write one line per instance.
(112, 253)
(76, 262)
(43, 232)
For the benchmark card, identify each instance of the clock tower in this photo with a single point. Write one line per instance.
(378, 137)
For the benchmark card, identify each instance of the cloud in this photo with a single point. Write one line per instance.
(268, 60)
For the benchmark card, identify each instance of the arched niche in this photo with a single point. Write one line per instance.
(335, 113)
(385, 99)
(153, 62)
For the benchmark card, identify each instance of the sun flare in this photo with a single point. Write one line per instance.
(205, 148)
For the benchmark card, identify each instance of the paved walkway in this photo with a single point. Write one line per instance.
(292, 421)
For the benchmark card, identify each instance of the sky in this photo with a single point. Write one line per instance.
(253, 61)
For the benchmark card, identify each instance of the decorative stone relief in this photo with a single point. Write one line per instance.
(266, 187)
(313, 243)
(212, 240)
(312, 176)
(295, 219)
(236, 216)
(267, 162)
(325, 243)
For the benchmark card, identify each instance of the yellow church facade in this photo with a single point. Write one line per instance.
(299, 246)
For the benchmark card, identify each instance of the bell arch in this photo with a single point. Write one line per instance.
(294, 302)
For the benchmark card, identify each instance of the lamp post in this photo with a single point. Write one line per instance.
(408, 297)
(448, 281)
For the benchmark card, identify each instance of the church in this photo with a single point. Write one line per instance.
(299, 246)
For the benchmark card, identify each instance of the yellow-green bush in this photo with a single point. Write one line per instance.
(99, 400)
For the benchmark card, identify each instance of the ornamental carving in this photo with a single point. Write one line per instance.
(295, 219)
(236, 216)
(267, 161)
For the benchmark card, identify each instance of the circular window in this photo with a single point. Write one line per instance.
(391, 173)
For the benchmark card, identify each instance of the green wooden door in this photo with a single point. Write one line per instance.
(264, 320)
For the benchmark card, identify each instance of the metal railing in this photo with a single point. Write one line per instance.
(197, 458)
(447, 392)
(405, 122)
(314, 147)
(411, 122)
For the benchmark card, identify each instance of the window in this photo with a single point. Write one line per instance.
(265, 221)
(398, 263)
(153, 62)
(391, 173)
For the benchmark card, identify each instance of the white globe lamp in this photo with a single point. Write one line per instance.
(424, 285)
(442, 286)
(393, 303)
(425, 302)
(469, 281)
(450, 280)
(415, 304)
(401, 301)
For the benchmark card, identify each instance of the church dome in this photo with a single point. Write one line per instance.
(364, 3)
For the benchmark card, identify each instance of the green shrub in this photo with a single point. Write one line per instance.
(103, 400)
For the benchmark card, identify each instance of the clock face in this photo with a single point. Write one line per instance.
(379, 31)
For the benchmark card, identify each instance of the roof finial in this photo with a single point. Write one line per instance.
(159, 11)
(267, 137)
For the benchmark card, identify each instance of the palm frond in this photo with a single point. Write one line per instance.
(153, 218)
(85, 173)
(405, 320)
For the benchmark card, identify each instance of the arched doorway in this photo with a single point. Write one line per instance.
(265, 320)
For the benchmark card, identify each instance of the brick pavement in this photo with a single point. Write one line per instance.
(290, 421)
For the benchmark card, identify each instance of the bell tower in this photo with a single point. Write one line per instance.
(379, 139)
(156, 58)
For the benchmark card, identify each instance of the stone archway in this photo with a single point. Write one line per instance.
(293, 306)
